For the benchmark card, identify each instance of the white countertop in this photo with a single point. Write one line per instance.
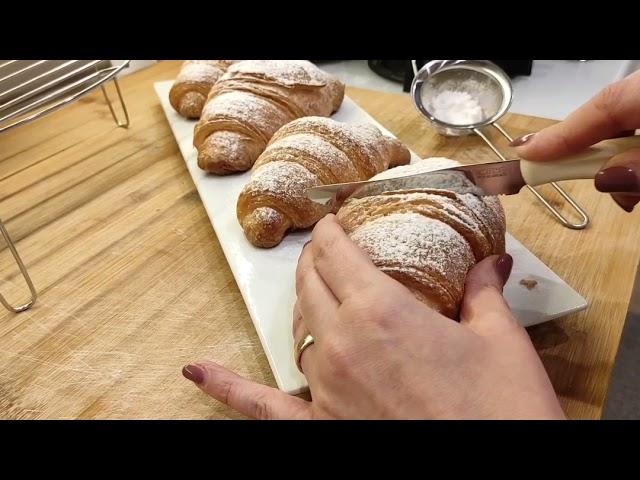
(554, 89)
(557, 87)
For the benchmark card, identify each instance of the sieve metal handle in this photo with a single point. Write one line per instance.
(567, 223)
(414, 64)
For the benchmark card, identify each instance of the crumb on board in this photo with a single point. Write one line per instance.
(528, 284)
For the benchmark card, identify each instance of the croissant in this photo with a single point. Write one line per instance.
(195, 79)
(251, 102)
(427, 239)
(308, 152)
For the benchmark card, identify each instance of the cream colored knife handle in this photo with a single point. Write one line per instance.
(583, 165)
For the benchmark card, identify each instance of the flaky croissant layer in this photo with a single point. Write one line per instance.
(427, 239)
(251, 101)
(308, 152)
(193, 84)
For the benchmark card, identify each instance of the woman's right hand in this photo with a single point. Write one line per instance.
(614, 112)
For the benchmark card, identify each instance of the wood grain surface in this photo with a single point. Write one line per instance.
(133, 283)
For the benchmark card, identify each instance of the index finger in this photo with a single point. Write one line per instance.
(247, 397)
(611, 113)
(316, 303)
(344, 267)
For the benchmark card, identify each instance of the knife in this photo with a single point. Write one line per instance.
(498, 178)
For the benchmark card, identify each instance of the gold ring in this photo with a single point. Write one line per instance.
(301, 347)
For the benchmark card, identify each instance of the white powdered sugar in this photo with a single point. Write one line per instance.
(284, 179)
(205, 71)
(363, 144)
(448, 180)
(487, 209)
(320, 153)
(286, 72)
(266, 216)
(426, 165)
(368, 141)
(228, 144)
(426, 238)
(366, 137)
(364, 134)
(242, 106)
(413, 240)
(408, 221)
(312, 145)
(456, 108)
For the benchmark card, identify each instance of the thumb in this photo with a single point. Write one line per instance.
(484, 309)
(621, 176)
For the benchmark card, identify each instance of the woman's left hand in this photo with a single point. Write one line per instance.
(378, 352)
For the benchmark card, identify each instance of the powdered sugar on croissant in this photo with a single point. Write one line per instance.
(193, 84)
(427, 239)
(251, 102)
(305, 153)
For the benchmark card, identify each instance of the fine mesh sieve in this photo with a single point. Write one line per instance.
(491, 88)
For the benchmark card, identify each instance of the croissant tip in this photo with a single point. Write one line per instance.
(265, 227)
(191, 105)
(224, 152)
(215, 168)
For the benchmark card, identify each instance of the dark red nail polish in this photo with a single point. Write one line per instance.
(617, 180)
(504, 264)
(518, 142)
(626, 202)
(193, 373)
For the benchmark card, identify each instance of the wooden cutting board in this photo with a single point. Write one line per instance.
(133, 283)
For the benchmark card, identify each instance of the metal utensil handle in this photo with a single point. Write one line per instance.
(574, 226)
(414, 66)
(23, 270)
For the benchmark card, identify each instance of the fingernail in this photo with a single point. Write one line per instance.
(617, 180)
(626, 202)
(503, 267)
(522, 140)
(193, 373)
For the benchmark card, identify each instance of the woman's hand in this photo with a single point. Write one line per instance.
(380, 353)
(614, 112)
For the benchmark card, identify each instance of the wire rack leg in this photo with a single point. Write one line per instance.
(119, 123)
(23, 270)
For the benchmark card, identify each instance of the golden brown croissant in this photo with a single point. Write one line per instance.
(191, 88)
(251, 102)
(305, 153)
(427, 239)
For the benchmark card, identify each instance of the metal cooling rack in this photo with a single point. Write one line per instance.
(31, 90)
